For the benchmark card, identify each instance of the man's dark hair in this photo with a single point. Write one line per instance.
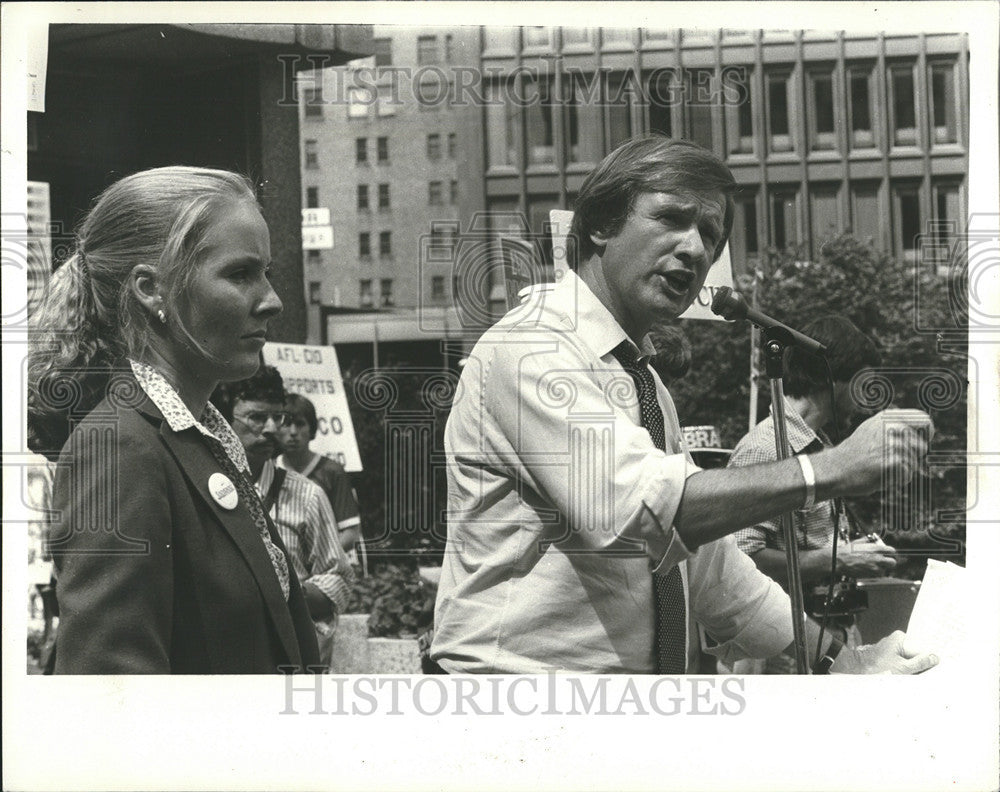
(848, 352)
(652, 163)
(673, 352)
(266, 385)
(301, 407)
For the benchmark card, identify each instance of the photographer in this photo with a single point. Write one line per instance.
(812, 406)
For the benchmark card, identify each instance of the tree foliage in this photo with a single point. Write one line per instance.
(917, 317)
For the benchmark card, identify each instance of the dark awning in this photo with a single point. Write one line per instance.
(187, 45)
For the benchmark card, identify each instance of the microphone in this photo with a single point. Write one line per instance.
(731, 306)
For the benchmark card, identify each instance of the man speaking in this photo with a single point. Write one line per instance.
(581, 537)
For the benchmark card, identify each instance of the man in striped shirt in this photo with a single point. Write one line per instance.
(298, 507)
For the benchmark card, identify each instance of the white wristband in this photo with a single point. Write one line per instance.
(810, 477)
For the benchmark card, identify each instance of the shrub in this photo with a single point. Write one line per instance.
(400, 603)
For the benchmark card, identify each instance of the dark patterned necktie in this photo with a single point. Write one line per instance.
(670, 638)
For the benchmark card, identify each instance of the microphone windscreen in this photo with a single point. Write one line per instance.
(728, 304)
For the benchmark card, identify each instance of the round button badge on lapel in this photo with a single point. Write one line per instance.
(223, 491)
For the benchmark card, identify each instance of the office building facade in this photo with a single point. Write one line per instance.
(824, 132)
(381, 162)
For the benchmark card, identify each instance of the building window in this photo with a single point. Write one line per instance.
(780, 103)
(312, 197)
(743, 241)
(860, 106)
(362, 197)
(443, 238)
(620, 92)
(365, 293)
(452, 145)
(903, 105)
(427, 50)
(699, 93)
(947, 208)
(736, 92)
(313, 256)
(382, 144)
(312, 154)
(866, 216)
(359, 100)
(383, 196)
(658, 34)
(575, 36)
(364, 244)
(434, 194)
(500, 126)
(948, 226)
(385, 287)
(386, 101)
(453, 192)
(314, 298)
(313, 100)
(908, 224)
(385, 243)
(434, 146)
(583, 117)
(538, 109)
(660, 88)
(361, 150)
(943, 102)
(784, 219)
(437, 287)
(383, 51)
(535, 36)
(616, 38)
(824, 214)
(822, 125)
(449, 48)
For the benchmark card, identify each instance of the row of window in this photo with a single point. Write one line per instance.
(361, 149)
(365, 295)
(431, 50)
(384, 244)
(502, 41)
(442, 240)
(843, 108)
(535, 37)
(435, 195)
(383, 197)
(902, 215)
(909, 223)
(382, 149)
(366, 298)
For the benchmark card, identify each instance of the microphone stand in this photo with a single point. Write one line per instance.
(775, 341)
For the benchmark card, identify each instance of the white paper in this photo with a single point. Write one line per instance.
(940, 622)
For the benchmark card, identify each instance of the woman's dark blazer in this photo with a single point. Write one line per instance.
(154, 576)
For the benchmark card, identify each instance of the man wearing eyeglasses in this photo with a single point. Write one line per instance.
(299, 509)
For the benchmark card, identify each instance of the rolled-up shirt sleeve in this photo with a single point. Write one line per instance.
(562, 422)
(329, 568)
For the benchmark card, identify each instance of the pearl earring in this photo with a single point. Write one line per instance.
(161, 316)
